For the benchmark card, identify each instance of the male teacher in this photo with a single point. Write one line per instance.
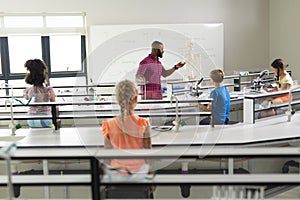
(150, 70)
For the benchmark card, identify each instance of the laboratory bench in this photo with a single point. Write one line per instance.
(267, 137)
(264, 138)
(189, 144)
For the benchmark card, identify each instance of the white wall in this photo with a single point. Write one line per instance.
(246, 22)
(285, 33)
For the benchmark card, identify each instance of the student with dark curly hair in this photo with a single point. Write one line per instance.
(40, 92)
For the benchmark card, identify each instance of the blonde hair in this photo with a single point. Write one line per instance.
(126, 92)
(217, 75)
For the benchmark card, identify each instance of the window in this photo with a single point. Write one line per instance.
(22, 48)
(64, 21)
(23, 21)
(18, 83)
(2, 91)
(57, 38)
(65, 51)
(71, 81)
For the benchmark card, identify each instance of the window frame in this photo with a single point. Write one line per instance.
(45, 43)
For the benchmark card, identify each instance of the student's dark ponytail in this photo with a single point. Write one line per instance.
(279, 65)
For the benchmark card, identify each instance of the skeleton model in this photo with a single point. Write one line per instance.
(192, 62)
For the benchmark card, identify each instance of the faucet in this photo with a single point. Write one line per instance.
(177, 121)
(12, 124)
(262, 73)
(256, 84)
(290, 112)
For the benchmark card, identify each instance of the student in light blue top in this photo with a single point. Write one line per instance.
(221, 100)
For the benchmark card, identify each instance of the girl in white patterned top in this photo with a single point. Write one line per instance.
(36, 76)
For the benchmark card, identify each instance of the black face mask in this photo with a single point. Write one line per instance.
(158, 54)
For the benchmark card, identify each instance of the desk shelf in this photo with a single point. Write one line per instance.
(252, 99)
(94, 179)
(92, 109)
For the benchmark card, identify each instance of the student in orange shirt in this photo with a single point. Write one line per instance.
(127, 131)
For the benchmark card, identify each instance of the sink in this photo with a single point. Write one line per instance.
(11, 138)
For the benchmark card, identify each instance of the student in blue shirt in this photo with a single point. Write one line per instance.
(221, 97)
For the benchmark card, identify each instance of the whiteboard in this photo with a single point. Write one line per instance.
(116, 50)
